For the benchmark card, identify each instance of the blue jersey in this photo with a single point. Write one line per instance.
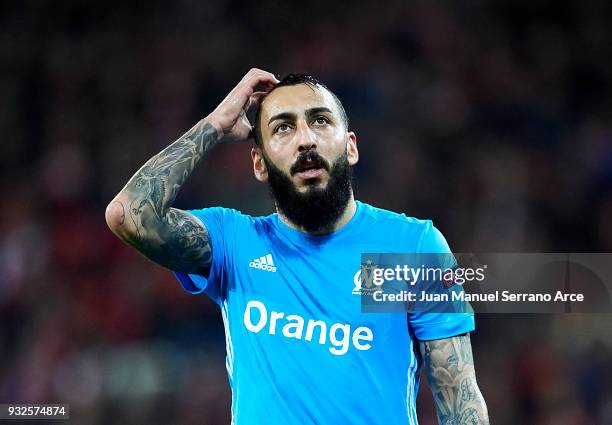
(299, 349)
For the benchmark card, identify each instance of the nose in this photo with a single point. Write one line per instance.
(306, 138)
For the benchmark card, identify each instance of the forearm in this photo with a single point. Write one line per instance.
(144, 204)
(142, 214)
(449, 366)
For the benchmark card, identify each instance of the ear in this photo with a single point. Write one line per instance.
(351, 148)
(259, 165)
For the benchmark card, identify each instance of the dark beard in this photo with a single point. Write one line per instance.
(316, 210)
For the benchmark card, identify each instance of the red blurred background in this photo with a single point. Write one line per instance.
(493, 118)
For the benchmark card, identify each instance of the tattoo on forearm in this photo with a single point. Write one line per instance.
(449, 366)
(166, 235)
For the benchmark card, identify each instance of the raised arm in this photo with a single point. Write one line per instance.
(449, 367)
(142, 215)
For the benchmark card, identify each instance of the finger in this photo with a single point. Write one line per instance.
(239, 96)
(258, 96)
(246, 97)
(256, 77)
(256, 71)
(255, 99)
(264, 78)
(268, 86)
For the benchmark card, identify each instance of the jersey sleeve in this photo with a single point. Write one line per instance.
(221, 226)
(438, 325)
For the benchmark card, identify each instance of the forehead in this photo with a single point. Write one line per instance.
(296, 99)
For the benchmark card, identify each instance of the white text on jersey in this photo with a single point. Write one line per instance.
(294, 328)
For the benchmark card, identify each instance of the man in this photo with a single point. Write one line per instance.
(299, 349)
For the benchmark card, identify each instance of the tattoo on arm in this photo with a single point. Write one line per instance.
(168, 236)
(449, 366)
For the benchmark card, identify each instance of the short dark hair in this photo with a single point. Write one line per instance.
(293, 80)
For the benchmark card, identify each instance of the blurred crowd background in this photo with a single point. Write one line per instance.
(493, 118)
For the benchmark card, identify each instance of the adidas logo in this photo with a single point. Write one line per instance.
(264, 263)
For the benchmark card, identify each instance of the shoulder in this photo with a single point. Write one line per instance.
(427, 237)
(375, 215)
(229, 217)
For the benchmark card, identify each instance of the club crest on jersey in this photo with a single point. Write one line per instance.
(364, 279)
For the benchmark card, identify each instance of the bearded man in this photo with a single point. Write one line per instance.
(299, 348)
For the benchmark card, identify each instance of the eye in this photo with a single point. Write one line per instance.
(281, 128)
(321, 120)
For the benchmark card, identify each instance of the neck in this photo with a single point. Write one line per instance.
(346, 216)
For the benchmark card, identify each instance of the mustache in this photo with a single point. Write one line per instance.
(309, 157)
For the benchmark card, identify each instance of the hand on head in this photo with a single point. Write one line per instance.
(230, 117)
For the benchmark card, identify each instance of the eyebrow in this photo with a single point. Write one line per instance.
(292, 116)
